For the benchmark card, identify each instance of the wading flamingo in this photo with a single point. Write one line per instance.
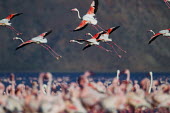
(104, 37)
(90, 42)
(5, 22)
(89, 17)
(41, 40)
(165, 33)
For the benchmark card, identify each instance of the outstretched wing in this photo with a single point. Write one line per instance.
(110, 30)
(24, 44)
(82, 25)
(154, 37)
(93, 7)
(11, 16)
(45, 33)
(87, 46)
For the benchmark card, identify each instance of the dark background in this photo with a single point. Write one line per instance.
(134, 16)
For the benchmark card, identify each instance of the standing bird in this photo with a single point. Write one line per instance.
(90, 42)
(165, 33)
(89, 17)
(104, 37)
(5, 22)
(167, 3)
(41, 40)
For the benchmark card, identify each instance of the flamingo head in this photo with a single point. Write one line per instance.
(74, 9)
(15, 38)
(72, 41)
(150, 30)
(88, 34)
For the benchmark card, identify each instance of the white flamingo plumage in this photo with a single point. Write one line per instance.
(165, 33)
(41, 40)
(89, 17)
(90, 42)
(5, 22)
(104, 37)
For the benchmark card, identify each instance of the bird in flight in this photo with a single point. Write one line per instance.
(104, 37)
(40, 40)
(90, 42)
(165, 33)
(88, 18)
(5, 22)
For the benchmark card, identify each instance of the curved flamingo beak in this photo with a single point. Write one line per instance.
(74, 9)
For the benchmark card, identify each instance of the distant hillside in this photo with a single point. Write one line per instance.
(134, 16)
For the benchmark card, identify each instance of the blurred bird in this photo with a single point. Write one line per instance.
(165, 33)
(41, 40)
(104, 37)
(89, 17)
(90, 42)
(5, 22)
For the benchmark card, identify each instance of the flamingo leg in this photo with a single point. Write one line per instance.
(52, 50)
(95, 27)
(114, 50)
(13, 29)
(101, 47)
(118, 47)
(49, 51)
(100, 27)
(166, 2)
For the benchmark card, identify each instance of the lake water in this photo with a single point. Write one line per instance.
(27, 77)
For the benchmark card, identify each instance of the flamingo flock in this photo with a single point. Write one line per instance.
(85, 95)
(102, 35)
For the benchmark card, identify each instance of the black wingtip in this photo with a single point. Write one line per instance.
(17, 14)
(48, 32)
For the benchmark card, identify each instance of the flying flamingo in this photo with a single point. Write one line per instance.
(90, 42)
(167, 3)
(165, 33)
(41, 40)
(104, 37)
(89, 17)
(5, 22)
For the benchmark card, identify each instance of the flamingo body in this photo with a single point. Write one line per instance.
(41, 40)
(165, 33)
(6, 22)
(88, 18)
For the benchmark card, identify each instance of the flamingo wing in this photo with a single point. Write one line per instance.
(112, 29)
(82, 25)
(11, 16)
(93, 7)
(87, 46)
(45, 33)
(81, 40)
(154, 37)
(97, 35)
(24, 44)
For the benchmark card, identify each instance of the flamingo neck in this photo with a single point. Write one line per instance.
(21, 39)
(152, 32)
(90, 34)
(78, 13)
(150, 87)
(78, 42)
(117, 76)
(128, 76)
